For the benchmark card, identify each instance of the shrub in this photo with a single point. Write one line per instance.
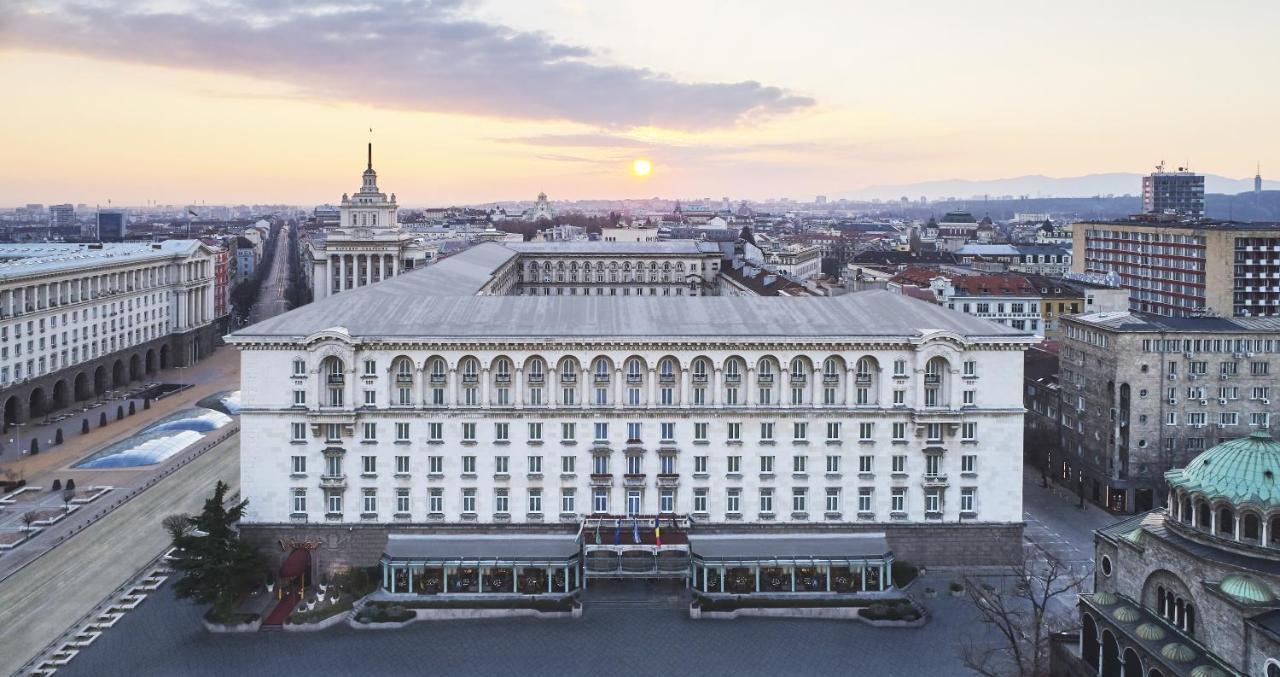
(956, 586)
(904, 573)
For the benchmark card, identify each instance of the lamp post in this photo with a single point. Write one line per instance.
(16, 441)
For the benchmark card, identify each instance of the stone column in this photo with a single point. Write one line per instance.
(484, 388)
(684, 388)
(618, 388)
(849, 385)
(519, 389)
(650, 400)
(453, 388)
(750, 395)
(717, 397)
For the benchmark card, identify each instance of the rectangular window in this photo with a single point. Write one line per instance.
(700, 464)
(733, 501)
(700, 432)
(299, 398)
(833, 430)
(601, 432)
(899, 463)
(967, 495)
(468, 432)
(969, 397)
(370, 506)
(799, 464)
(535, 501)
(899, 431)
(968, 462)
(799, 499)
(435, 465)
(800, 431)
(370, 398)
(300, 500)
(932, 501)
(734, 464)
(502, 432)
(864, 499)
(370, 432)
(535, 432)
(435, 432)
(898, 500)
(501, 465)
(735, 432)
(535, 465)
(335, 503)
(468, 465)
(369, 465)
(700, 500)
(435, 501)
(766, 465)
(766, 501)
(667, 431)
(633, 433)
(766, 432)
(469, 501)
(600, 500)
(568, 432)
(299, 465)
(968, 430)
(833, 464)
(402, 501)
(402, 465)
(370, 368)
(298, 432)
(402, 432)
(501, 501)
(866, 463)
(567, 500)
(667, 501)
(833, 499)
(866, 431)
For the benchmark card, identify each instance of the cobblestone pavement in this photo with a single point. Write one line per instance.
(632, 631)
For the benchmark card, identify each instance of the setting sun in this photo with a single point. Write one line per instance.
(641, 167)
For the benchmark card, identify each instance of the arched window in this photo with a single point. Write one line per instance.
(502, 368)
(1226, 523)
(536, 369)
(732, 371)
(935, 382)
(634, 369)
(601, 369)
(766, 368)
(404, 367)
(666, 368)
(831, 368)
(568, 370)
(1160, 600)
(865, 368)
(1189, 622)
(1249, 527)
(470, 370)
(799, 369)
(700, 369)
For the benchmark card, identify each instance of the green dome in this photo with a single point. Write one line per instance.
(1207, 671)
(1150, 632)
(1136, 536)
(1246, 589)
(1241, 471)
(1126, 614)
(1104, 598)
(1180, 653)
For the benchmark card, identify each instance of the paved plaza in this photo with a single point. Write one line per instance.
(630, 630)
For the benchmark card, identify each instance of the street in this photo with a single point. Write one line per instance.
(271, 296)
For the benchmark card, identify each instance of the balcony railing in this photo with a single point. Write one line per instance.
(699, 378)
(438, 379)
(830, 379)
(634, 378)
(333, 481)
(936, 480)
(568, 378)
(862, 379)
(600, 378)
(765, 379)
(470, 378)
(502, 378)
(535, 378)
(336, 379)
(404, 379)
(932, 379)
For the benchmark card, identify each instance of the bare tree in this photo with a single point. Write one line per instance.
(67, 495)
(1020, 608)
(177, 524)
(28, 518)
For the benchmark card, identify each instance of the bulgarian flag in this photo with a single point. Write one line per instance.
(657, 532)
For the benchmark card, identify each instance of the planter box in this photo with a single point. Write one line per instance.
(219, 628)
(318, 625)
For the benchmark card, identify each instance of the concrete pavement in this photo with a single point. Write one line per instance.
(43, 600)
(271, 294)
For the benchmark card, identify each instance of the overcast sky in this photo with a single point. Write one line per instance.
(477, 100)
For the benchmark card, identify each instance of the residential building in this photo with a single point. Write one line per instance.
(62, 216)
(113, 225)
(1144, 393)
(1178, 193)
(1006, 298)
(1186, 269)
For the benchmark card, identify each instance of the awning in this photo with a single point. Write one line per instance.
(788, 546)
(506, 547)
(296, 564)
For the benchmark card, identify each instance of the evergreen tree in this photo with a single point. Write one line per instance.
(214, 564)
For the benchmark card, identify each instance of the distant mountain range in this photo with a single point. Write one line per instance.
(1036, 185)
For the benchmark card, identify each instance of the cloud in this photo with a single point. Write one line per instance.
(425, 55)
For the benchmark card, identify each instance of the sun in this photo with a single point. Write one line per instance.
(641, 167)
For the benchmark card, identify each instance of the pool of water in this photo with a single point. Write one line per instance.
(145, 448)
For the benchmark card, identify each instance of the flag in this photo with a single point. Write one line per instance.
(657, 532)
(617, 533)
(597, 533)
(635, 531)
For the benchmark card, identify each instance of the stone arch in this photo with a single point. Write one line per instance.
(100, 380)
(166, 361)
(1226, 519)
(1110, 655)
(1250, 526)
(13, 412)
(1162, 580)
(135, 368)
(1089, 640)
(149, 361)
(119, 376)
(61, 395)
(1132, 664)
(701, 368)
(37, 403)
(83, 391)
(601, 368)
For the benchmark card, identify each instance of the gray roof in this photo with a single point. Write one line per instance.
(481, 546)
(683, 247)
(21, 260)
(1146, 322)
(751, 546)
(439, 301)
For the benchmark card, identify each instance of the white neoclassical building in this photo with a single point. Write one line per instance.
(78, 320)
(368, 245)
(442, 401)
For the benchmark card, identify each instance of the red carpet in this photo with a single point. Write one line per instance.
(278, 615)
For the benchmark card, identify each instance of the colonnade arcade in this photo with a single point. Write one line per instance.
(347, 271)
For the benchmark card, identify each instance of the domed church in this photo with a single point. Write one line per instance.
(1190, 589)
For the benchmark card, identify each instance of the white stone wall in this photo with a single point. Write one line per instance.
(268, 412)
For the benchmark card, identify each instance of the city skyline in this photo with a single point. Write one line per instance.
(248, 101)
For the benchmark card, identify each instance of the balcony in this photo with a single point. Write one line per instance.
(634, 379)
(668, 479)
(935, 481)
(568, 378)
(862, 379)
(700, 378)
(470, 379)
(336, 379)
(633, 479)
(799, 378)
(830, 379)
(404, 379)
(932, 379)
(333, 481)
(535, 379)
(601, 479)
(764, 379)
(733, 378)
(667, 378)
(438, 379)
(502, 379)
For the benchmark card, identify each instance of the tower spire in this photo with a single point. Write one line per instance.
(370, 155)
